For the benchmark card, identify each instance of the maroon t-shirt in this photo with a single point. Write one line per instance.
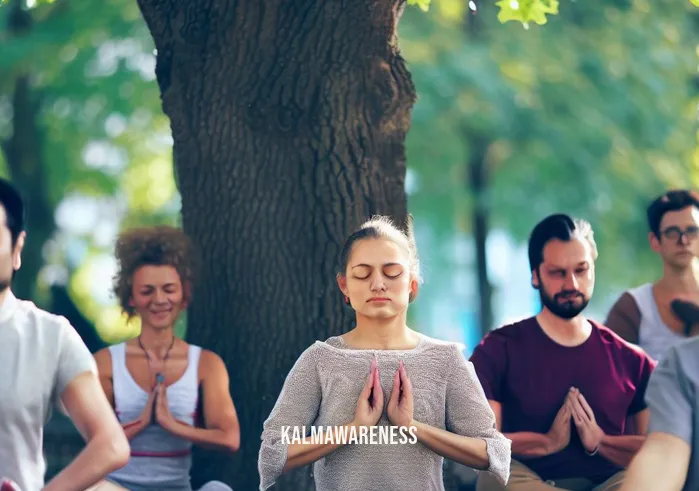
(528, 373)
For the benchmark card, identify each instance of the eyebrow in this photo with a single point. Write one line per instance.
(581, 263)
(362, 265)
(153, 286)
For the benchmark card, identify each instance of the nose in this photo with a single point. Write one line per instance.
(571, 282)
(683, 240)
(377, 283)
(160, 296)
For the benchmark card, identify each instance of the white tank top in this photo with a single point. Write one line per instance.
(654, 336)
(158, 460)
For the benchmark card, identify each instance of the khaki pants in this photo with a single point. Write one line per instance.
(522, 478)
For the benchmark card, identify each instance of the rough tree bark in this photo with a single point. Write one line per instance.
(288, 121)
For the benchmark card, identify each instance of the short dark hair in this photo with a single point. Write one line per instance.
(382, 227)
(562, 227)
(12, 201)
(673, 200)
(152, 246)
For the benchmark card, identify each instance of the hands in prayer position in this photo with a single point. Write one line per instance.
(584, 418)
(146, 417)
(157, 410)
(575, 407)
(371, 400)
(400, 405)
(163, 416)
(559, 434)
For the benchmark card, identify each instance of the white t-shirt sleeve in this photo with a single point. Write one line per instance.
(73, 359)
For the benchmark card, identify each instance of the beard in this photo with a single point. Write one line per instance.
(5, 283)
(566, 304)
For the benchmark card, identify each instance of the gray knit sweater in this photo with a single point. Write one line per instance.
(322, 389)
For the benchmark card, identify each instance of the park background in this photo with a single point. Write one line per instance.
(592, 113)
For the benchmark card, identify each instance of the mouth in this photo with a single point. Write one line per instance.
(379, 299)
(570, 298)
(160, 313)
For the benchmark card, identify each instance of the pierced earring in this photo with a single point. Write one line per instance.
(347, 300)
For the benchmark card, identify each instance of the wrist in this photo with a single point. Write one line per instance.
(593, 452)
(551, 446)
(356, 424)
(174, 427)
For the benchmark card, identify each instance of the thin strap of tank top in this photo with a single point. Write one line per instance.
(118, 355)
(193, 363)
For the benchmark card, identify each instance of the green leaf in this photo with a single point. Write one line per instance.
(526, 11)
(423, 4)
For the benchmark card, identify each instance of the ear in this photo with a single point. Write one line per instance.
(535, 279)
(414, 290)
(17, 251)
(342, 283)
(654, 242)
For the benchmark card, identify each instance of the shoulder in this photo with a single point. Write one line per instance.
(627, 301)
(210, 362)
(617, 345)
(439, 350)
(509, 333)
(45, 322)
(52, 333)
(685, 358)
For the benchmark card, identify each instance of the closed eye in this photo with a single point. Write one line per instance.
(393, 271)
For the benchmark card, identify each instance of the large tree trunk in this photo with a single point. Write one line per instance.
(288, 121)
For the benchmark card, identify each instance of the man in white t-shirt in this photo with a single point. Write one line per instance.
(45, 364)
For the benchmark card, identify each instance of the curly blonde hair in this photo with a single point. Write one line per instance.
(152, 246)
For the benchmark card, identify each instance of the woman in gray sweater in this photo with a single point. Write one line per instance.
(380, 407)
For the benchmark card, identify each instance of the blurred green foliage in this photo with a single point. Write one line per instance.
(593, 114)
(106, 141)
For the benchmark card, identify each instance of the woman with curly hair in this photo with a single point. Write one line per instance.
(154, 381)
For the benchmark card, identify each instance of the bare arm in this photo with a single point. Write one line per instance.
(222, 431)
(107, 448)
(621, 449)
(527, 443)
(624, 318)
(662, 463)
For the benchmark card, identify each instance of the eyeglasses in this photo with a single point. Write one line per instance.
(676, 233)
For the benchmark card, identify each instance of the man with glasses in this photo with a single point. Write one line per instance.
(657, 316)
